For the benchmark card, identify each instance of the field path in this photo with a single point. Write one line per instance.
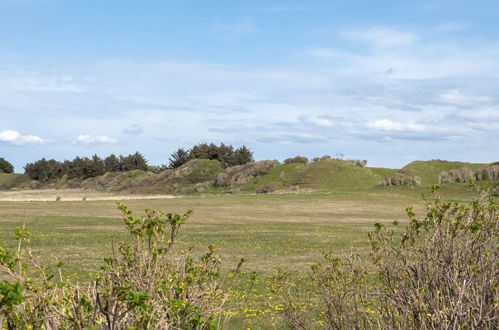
(45, 195)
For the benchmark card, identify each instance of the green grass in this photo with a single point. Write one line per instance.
(270, 231)
(11, 180)
(323, 175)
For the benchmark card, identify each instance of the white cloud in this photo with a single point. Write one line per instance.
(387, 125)
(319, 121)
(91, 139)
(16, 138)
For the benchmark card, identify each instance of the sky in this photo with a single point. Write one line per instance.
(386, 81)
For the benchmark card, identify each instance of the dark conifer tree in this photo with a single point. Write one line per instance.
(6, 166)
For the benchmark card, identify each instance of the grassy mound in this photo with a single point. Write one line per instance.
(14, 180)
(327, 174)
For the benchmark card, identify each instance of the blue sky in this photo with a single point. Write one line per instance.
(386, 81)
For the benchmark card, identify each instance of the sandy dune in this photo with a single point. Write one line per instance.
(68, 195)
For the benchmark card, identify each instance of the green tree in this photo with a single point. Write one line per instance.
(96, 166)
(112, 163)
(133, 162)
(44, 170)
(225, 154)
(178, 158)
(242, 156)
(200, 151)
(5, 166)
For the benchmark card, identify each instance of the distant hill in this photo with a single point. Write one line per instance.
(208, 176)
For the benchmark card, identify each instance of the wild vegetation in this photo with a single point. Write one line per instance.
(146, 283)
(83, 168)
(225, 154)
(206, 176)
(487, 172)
(439, 271)
(6, 166)
(401, 179)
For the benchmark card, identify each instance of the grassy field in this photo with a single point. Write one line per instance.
(269, 231)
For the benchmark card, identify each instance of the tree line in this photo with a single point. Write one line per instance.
(227, 155)
(84, 167)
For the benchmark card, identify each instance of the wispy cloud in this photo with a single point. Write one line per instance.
(381, 37)
(133, 129)
(398, 54)
(93, 140)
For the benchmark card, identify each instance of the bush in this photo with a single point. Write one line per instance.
(487, 172)
(265, 189)
(296, 160)
(358, 162)
(440, 272)
(400, 179)
(5, 166)
(147, 283)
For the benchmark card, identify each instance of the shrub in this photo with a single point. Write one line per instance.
(400, 179)
(265, 189)
(440, 272)
(358, 162)
(487, 172)
(147, 283)
(6, 166)
(296, 160)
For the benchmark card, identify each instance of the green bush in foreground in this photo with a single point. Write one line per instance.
(441, 272)
(147, 283)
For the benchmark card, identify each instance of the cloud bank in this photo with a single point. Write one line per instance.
(391, 91)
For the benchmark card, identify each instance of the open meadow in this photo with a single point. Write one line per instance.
(287, 231)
